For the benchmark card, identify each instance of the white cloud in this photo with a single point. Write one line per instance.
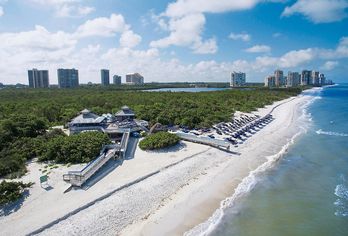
(185, 21)
(102, 26)
(319, 11)
(207, 47)
(73, 11)
(66, 8)
(186, 7)
(50, 50)
(1, 11)
(129, 39)
(258, 49)
(186, 31)
(329, 65)
(242, 36)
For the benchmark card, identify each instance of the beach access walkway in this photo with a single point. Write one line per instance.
(78, 178)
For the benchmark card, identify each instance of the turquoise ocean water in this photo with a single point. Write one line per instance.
(306, 193)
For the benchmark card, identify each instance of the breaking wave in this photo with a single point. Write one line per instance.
(330, 133)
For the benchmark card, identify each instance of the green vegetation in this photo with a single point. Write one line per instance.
(78, 148)
(51, 146)
(25, 115)
(158, 140)
(12, 191)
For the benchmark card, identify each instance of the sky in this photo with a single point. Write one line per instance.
(175, 40)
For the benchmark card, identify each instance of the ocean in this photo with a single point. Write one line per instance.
(306, 191)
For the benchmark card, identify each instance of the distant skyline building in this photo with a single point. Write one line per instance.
(306, 77)
(237, 79)
(105, 77)
(270, 81)
(322, 79)
(315, 78)
(68, 78)
(117, 79)
(293, 79)
(134, 78)
(38, 78)
(279, 78)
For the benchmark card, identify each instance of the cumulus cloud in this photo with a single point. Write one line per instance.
(319, 11)
(258, 49)
(129, 39)
(329, 65)
(73, 11)
(185, 20)
(205, 47)
(185, 7)
(102, 26)
(184, 31)
(66, 8)
(44, 49)
(242, 36)
(1, 11)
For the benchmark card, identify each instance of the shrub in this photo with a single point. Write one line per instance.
(12, 191)
(159, 140)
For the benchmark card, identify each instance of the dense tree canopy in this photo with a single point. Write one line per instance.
(58, 106)
(25, 115)
(159, 140)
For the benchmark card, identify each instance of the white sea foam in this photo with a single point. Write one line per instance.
(341, 191)
(341, 203)
(330, 133)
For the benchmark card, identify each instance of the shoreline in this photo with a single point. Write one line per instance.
(192, 188)
(201, 212)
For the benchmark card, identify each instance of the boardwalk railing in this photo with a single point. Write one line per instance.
(204, 140)
(78, 178)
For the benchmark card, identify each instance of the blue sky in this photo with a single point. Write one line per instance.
(178, 40)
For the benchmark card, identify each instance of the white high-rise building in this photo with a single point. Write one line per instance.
(238, 79)
(293, 79)
(270, 81)
(279, 78)
(135, 78)
(315, 78)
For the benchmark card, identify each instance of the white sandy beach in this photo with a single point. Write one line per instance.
(170, 202)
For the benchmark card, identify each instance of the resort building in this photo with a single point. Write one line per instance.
(293, 79)
(38, 78)
(315, 78)
(113, 125)
(68, 78)
(279, 78)
(135, 78)
(270, 81)
(125, 114)
(306, 77)
(238, 79)
(117, 80)
(86, 121)
(105, 77)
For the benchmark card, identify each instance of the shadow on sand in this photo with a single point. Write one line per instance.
(14, 206)
(112, 164)
(175, 148)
